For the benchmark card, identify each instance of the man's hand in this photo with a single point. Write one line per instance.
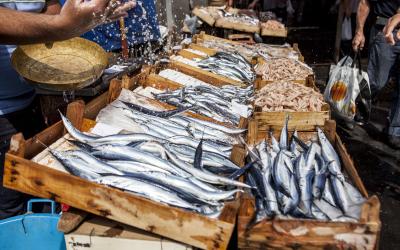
(77, 16)
(358, 41)
(392, 23)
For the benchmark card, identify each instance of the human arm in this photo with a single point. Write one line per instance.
(392, 23)
(53, 7)
(362, 14)
(76, 17)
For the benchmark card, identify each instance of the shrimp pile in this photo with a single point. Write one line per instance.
(273, 25)
(276, 69)
(288, 96)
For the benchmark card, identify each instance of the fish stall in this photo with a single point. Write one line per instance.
(241, 20)
(50, 173)
(219, 134)
(302, 202)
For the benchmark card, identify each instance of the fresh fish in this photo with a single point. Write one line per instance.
(339, 193)
(115, 139)
(76, 166)
(305, 177)
(197, 163)
(281, 175)
(272, 203)
(135, 167)
(161, 114)
(275, 145)
(320, 180)
(283, 141)
(100, 166)
(330, 211)
(290, 203)
(242, 171)
(202, 175)
(148, 190)
(330, 155)
(115, 152)
(182, 140)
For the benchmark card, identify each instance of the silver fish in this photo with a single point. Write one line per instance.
(147, 190)
(127, 153)
(330, 155)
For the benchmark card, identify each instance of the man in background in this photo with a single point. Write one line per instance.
(383, 57)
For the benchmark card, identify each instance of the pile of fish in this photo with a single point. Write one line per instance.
(225, 104)
(240, 18)
(273, 25)
(275, 69)
(239, 48)
(231, 65)
(301, 180)
(178, 171)
(276, 51)
(288, 96)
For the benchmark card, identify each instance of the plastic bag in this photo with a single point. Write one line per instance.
(343, 88)
(347, 33)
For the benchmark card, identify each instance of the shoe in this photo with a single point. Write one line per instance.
(394, 141)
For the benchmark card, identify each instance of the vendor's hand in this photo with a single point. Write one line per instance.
(392, 23)
(78, 16)
(358, 41)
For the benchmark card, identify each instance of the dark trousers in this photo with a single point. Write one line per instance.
(29, 122)
(382, 63)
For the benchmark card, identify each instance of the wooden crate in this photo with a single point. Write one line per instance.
(159, 82)
(274, 33)
(259, 83)
(226, 24)
(203, 75)
(297, 49)
(311, 234)
(204, 15)
(23, 175)
(303, 121)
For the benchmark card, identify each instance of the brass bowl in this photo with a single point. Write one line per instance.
(66, 65)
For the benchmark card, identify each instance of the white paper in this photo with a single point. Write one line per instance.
(103, 129)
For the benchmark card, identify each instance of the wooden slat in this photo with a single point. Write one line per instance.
(47, 136)
(159, 82)
(18, 145)
(75, 112)
(70, 220)
(349, 166)
(297, 49)
(198, 47)
(191, 228)
(203, 75)
(302, 121)
(94, 106)
(226, 24)
(190, 55)
(114, 90)
(275, 33)
(206, 17)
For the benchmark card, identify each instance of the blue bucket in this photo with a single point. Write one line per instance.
(34, 231)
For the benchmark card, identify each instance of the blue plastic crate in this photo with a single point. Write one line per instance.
(33, 231)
